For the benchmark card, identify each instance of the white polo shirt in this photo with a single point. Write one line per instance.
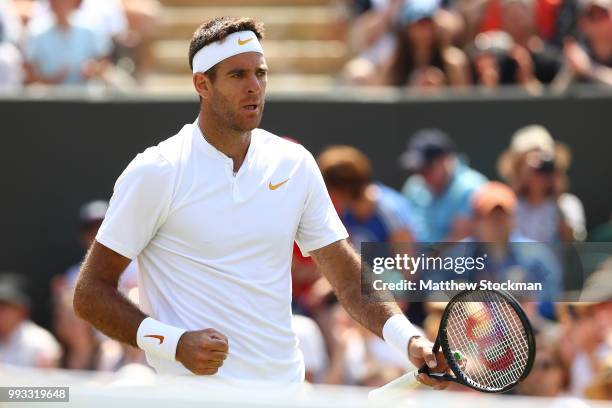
(214, 249)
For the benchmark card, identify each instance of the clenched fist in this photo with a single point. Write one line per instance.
(203, 351)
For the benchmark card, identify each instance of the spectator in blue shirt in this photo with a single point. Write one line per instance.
(63, 51)
(441, 188)
(371, 211)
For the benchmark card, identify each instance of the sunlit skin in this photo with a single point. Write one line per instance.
(232, 103)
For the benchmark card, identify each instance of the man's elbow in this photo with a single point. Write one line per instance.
(80, 300)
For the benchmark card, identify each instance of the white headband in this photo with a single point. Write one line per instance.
(234, 44)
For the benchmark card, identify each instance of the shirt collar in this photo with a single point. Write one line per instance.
(210, 150)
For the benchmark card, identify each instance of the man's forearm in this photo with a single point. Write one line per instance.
(342, 267)
(98, 301)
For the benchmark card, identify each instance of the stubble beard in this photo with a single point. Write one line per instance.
(228, 118)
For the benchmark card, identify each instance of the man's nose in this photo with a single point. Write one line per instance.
(254, 86)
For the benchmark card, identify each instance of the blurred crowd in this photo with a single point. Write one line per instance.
(427, 44)
(442, 200)
(73, 42)
(420, 44)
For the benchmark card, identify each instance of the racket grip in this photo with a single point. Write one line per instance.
(405, 382)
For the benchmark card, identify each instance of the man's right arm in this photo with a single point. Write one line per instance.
(98, 301)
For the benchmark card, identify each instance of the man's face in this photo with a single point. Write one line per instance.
(237, 93)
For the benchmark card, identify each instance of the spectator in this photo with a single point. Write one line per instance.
(91, 215)
(107, 18)
(535, 167)
(11, 71)
(22, 342)
(442, 188)
(601, 386)
(63, 51)
(522, 56)
(593, 62)
(488, 54)
(312, 347)
(588, 344)
(549, 376)
(509, 256)
(10, 21)
(142, 17)
(371, 211)
(488, 15)
(535, 59)
(422, 59)
(358, 355)
(371, 37)
(84, 348)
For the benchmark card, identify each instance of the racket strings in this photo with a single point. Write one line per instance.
(509, 332)
(498, 351)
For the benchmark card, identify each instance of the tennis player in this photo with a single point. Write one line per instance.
(210, 215)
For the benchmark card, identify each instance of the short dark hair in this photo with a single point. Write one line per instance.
(217, 29)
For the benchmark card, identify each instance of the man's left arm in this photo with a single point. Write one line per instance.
(341, 265)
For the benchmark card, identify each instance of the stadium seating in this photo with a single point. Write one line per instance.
(305, 39)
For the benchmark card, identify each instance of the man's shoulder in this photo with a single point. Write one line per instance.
(163, 158)
(281, 147)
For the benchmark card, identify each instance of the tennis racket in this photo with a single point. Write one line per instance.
(487, 341)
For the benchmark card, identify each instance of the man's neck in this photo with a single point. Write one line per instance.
(233, 144)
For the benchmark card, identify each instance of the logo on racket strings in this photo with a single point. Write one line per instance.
(481, 328)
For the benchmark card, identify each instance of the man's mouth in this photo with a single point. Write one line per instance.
(251, 107)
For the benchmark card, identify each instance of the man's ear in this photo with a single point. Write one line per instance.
(202, 84)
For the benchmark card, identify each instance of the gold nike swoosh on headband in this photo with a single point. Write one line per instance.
(275, 186)
(242, 42)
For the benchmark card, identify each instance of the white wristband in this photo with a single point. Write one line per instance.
(158, 338)
(398, 331)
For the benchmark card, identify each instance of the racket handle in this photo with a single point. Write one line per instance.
(405, 382)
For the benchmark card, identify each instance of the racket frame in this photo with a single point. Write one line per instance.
(442, 343)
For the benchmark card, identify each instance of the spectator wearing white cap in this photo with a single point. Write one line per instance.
(535, 167)
(22, 342)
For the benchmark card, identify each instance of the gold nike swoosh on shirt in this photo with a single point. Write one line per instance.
(156, 336)
(275, 186)
(242, 42)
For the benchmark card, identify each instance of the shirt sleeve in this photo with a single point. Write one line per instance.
(140, 203)
(319, 224)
